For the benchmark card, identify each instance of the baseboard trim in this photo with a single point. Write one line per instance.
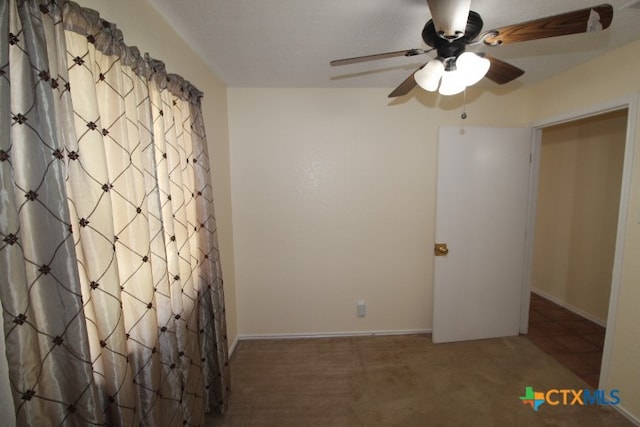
(232, 347)
(570, 307)
(627, 415)
(331, 334)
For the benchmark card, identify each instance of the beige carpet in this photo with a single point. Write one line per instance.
(399, 381)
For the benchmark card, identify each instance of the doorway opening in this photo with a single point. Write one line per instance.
(577, 211)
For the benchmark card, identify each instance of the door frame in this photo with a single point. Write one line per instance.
(630, 103)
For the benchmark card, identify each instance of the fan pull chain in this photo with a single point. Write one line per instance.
(463, 116)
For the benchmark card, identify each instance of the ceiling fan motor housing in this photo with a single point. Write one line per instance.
(451, 48)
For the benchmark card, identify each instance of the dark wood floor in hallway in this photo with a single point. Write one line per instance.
(572, 340)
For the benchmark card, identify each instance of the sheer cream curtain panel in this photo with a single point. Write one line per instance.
(110, 278)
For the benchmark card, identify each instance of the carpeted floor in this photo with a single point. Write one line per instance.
(401, 381)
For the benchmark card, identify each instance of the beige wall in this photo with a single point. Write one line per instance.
(591, 84)
(142, 26)
(577, 211)
(334, 201)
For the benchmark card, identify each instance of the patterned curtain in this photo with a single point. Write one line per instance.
(110, 277)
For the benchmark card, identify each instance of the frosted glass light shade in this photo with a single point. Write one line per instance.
(452, 83)
(428, 77)
(472, 67)
(450, 17)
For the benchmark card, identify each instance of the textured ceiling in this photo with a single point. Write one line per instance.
(289, 43)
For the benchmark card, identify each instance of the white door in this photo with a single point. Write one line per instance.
(481, 215)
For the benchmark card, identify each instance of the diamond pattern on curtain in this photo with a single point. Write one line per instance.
(211, 311)
(51, 375)
(109, 246)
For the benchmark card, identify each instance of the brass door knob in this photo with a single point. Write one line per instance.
(441, 249)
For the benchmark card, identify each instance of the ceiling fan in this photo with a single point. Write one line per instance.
(454, 27)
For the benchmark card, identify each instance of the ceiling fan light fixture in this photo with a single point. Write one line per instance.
(428, 77)
(450, 17)
(473, 67)
(453, 82)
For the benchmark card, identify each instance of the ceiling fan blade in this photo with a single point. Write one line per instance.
(409, 52)
(502, 72)
(405, 87)
(579, 21)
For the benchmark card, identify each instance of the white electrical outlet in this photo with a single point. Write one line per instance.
(362, 308)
